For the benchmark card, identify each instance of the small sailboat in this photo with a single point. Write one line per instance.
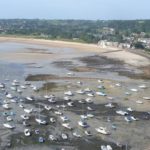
(134, 90)
(2, 85)
(29, 98)
(146, 98)
(52, 137)
(9, 118)
(76, 134)
(40, 121)
(64, 118)
(102, 130)
(64, 136)
(27, 132)
(143, 86)
(80, 91)
(8, 125)
(6, 106)
(52, 120)
(24, 117)
(67, 125)
(109, 105)
(101, 93)
(82, 123)
(121, 112)
(8, 95)
(88, 133)
(68, 93)
(47, 107)
(28, 110)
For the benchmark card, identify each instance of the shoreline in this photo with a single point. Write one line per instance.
(130, 58)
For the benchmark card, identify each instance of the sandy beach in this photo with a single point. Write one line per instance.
(123, 55)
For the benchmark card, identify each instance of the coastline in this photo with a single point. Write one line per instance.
(128, 57)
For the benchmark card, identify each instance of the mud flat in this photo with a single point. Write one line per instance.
(54, 67)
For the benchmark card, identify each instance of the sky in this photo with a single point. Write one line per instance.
(75, 9)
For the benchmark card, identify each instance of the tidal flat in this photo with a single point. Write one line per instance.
(50, 81)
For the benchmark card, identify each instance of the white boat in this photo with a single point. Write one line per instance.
(118, 84)
(52, 100)
(58, 112)
(128, 119)
(15, 84)
(23, 87)
(52, 138)
(143, 86)
(101, 93)
(19, 91)
(102, 130)
(35, 88)
(47, 96)
(27, 132)
(89, 100)
(24, 117)
(121, 112)
(87, 90)
(70, 73)
(9, 126)
(100, 81)
(103, 147)
(25, 123)
(146, 98)
(2, 85)
(52, 120)
(21, 106)
(67, 125)
(76, 134)
(64, 118)
(80, 91)
(8, 118)
(47, 107)
(134, 90)
(109, 105)
(9, 96)
(79, 82)
(89, 108)
(88, 133)
(6, 106)
(13, 100)
(83, 116)
(129, 109)
(82, 124)
(66, 98)
(90, 94)
(29, 98)
(64, 136)
(139, 102)
(127, 93)
(68, 93)
(71, 104)
(40, 121)
(89, 115)
(13, 88)
(109, 147)
(28, 110)
(134, 119)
